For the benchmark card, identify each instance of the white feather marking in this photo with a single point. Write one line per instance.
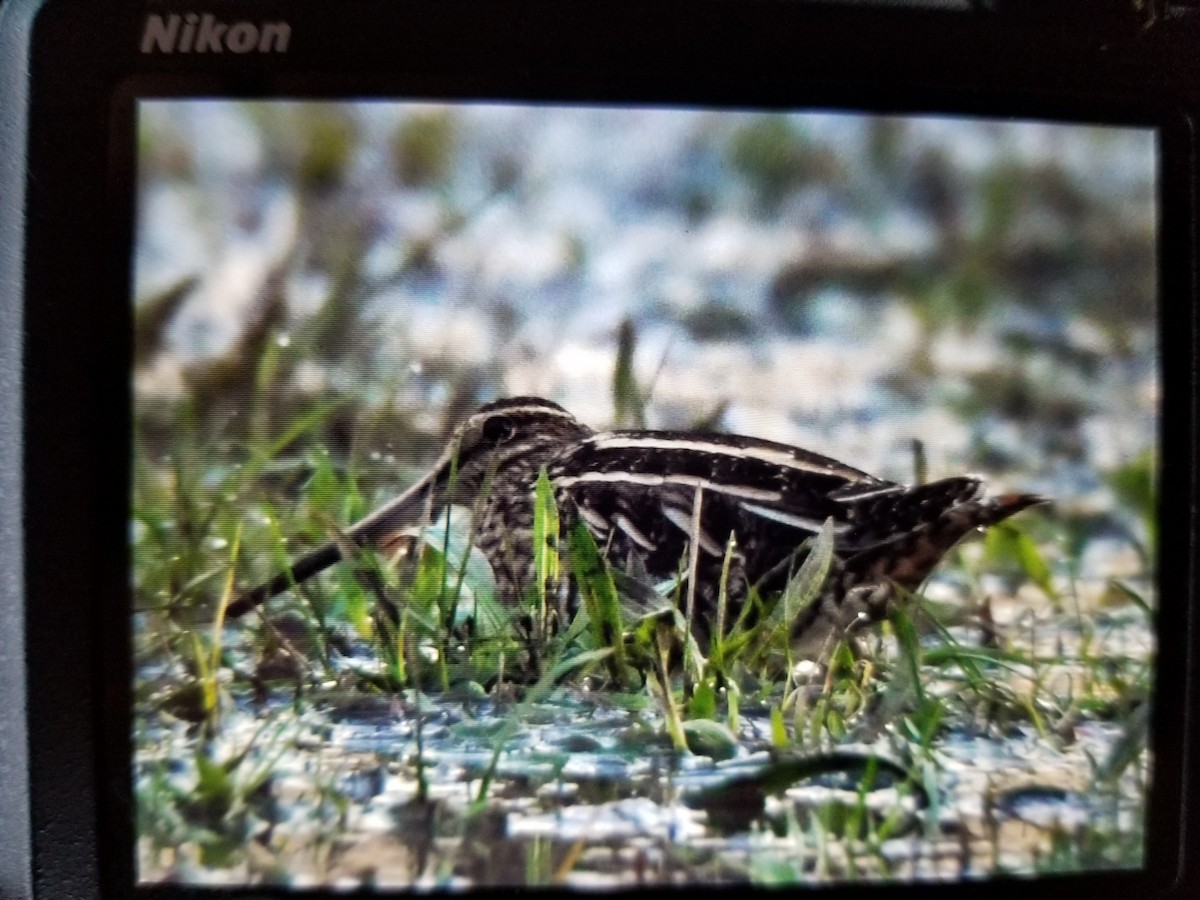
(597, 521)
(774, 455)
(540, 409)
(634, 533)
(786, 518)
(683, 521)
(693, 481)
(850, 496)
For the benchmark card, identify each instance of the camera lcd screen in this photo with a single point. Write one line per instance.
(325, 296)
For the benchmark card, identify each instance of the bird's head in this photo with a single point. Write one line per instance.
(518, 434)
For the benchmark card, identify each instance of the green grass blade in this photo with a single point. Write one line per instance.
(545, 542)
(803, 588)
(629, 406)
(599, 595)
(1006, 541)
(716, 651)
(806, 585)
(910, 650)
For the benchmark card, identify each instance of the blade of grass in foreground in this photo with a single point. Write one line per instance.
(801, 591)
(599, 597)
(716, 651)
(545, 544)
(1008, 542)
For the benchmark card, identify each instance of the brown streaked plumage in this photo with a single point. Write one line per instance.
(645, 495)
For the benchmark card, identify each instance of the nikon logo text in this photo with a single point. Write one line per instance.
(196, 33)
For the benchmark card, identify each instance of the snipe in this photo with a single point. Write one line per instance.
(646, 496)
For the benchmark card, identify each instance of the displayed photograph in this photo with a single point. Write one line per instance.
(602, 498)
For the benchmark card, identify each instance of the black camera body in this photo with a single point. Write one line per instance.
(81, 77)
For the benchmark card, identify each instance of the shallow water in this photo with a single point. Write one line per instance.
(584, 789)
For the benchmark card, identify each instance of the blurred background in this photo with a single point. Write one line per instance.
(325, 290)
(842, 282)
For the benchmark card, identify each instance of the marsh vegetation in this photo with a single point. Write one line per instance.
(324, 291)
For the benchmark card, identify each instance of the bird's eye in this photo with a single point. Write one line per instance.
(498, 430)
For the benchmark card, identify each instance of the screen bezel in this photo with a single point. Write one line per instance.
(77, 405)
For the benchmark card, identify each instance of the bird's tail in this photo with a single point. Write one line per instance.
(907, 558)
(861, 588)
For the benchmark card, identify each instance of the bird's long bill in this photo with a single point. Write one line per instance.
(379, 529)
(1005, 505)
